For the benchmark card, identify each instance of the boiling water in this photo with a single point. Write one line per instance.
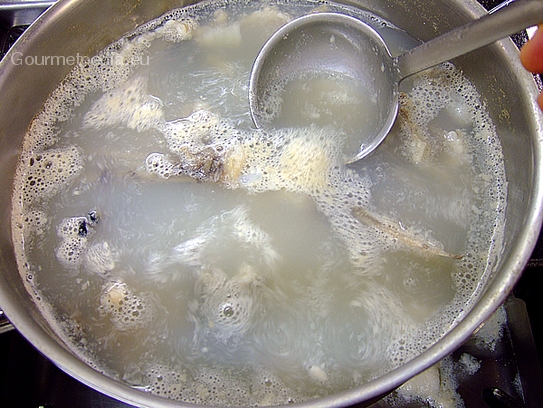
(178, 249)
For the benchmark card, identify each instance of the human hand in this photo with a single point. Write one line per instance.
(531, 56)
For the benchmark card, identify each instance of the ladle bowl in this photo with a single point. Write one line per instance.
(334, 50)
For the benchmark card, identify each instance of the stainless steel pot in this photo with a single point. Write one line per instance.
(74, 27)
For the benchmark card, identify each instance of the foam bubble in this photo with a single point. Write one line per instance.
(228, 299)
(297, 159)
(228, 308)
(488, 336)
(210, 149)
(164, 381)
(207, 149)
(74, 234)
(106, 71)
(32, 224)
(126, 309)
(432, 120)
(163, 166)
(177, 30)
(429, 387)
(45, 173)
(128, 105)
(214, 386)
(469, 364)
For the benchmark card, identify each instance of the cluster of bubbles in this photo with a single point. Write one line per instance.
(210, 149)
(436, 119)
(128, 105)
(32, 223)
(47, 172)
(227, 305)
(444, 95)
(258, 387)
(74, 234)
(127, 310)
(296, 159)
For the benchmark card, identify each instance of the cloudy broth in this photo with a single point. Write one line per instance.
(180, 250)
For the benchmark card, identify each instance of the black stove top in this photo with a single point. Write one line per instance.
(29, 380)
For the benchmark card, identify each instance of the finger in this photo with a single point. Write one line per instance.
(540, 101)
(531, 54)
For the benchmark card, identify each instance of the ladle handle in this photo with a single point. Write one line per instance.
(476, 34)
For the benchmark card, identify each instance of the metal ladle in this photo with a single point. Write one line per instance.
(344, 53)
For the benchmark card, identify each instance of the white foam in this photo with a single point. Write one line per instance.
(128, 105)
(177, 30)
(260, 388)
(469, 364)
(431, 388)
(46, 173)
(163, 166)
(491, 332)
(74, 235)
(32, 224)
(127, 310)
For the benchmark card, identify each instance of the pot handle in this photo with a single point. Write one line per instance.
(5, 324)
